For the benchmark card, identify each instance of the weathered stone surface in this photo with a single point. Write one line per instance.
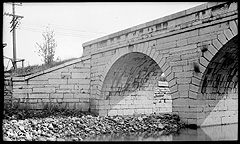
(57, 81)
(193, 50)
(43, 90)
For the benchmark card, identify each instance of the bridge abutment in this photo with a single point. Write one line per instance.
(195, 50)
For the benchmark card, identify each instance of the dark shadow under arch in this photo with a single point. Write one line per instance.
(134, 77)
(219, 86)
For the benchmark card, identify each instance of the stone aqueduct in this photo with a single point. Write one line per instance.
(119, 74)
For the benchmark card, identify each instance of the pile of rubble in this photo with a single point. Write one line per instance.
(79, 127)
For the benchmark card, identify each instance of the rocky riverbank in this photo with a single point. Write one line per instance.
(77, 126)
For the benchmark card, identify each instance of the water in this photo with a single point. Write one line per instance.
(212, 133)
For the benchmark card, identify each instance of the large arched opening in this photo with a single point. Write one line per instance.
(134, 84)
(219, 87)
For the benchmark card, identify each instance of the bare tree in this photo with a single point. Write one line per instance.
(46, 50)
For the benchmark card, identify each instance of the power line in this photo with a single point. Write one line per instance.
(57, 32)
(60, 32)
(62, 27)
(59, 29)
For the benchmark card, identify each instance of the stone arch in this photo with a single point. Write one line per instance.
(225, 62)
(218, 88)
(217, 45)
(134, 63)
(155, 55)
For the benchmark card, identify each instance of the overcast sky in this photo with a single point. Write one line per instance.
(77, 23)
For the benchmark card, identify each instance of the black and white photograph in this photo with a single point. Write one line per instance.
(120, 71)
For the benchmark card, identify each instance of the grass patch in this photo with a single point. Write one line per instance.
(37, 68)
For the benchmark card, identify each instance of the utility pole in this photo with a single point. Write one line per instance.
(14, 39)
(13, 26)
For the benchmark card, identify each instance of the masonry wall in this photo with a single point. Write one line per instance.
(65, 86)
(7, 89)
(182, 45)
(131, 87)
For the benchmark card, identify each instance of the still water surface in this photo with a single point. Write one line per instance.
(212, 133)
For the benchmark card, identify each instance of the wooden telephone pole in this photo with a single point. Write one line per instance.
(13, 30)
(14, 38)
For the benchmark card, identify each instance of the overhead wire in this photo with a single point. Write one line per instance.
(64, 31)
(57, 32)
(65, 27)
(55, 29)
